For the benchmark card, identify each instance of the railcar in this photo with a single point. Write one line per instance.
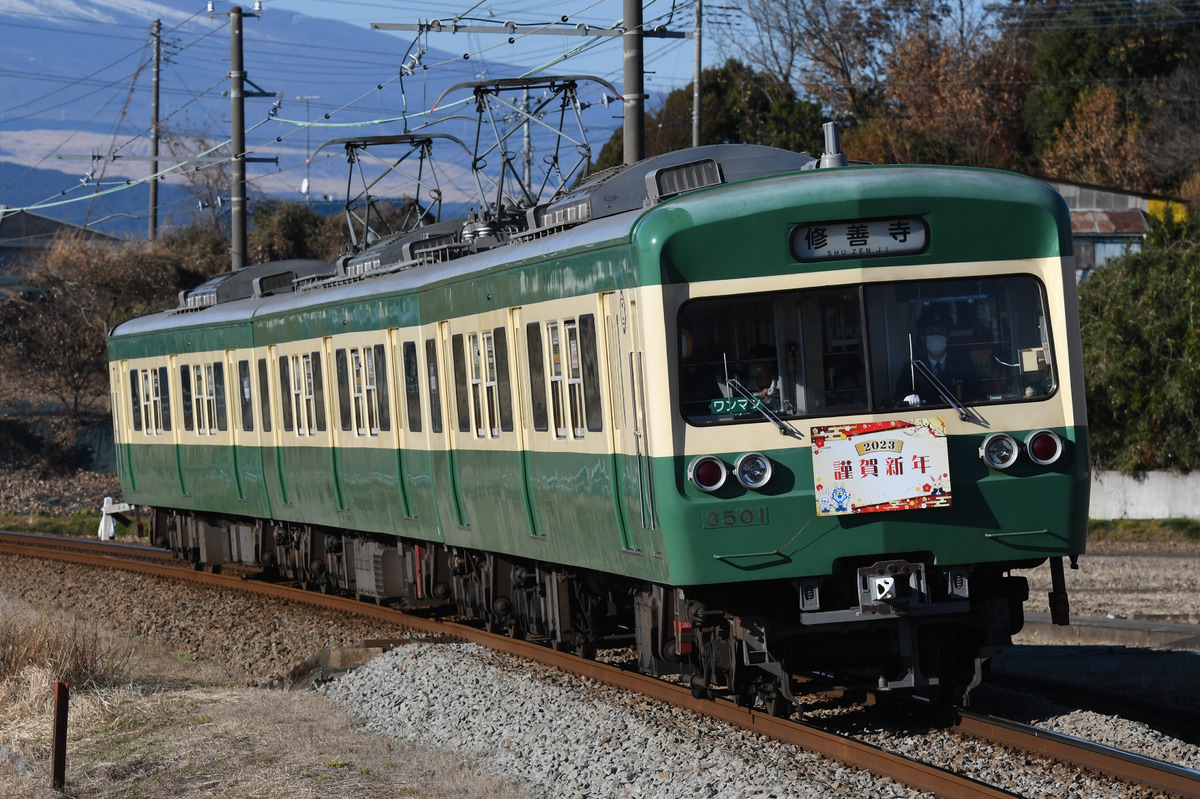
(694, 402)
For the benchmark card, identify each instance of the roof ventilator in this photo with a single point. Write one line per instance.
(667, 182)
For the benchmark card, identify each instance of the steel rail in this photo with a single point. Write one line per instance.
(1176, 780)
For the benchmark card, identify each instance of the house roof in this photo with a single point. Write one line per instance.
(25, 230)
(1131, 222)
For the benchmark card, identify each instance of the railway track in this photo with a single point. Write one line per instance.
(1157, 776)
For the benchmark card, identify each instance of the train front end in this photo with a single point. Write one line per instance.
(876, 420)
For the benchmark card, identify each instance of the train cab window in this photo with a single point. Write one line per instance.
(591, 373)
(164, 389)
(264, 395)
(412, 387)
(503, 382)
(435, 403)
(851, 349)
(462, 403)
(985, 340)
(136, 407)
(217, 391)
(185, 396)
(556, 380)
(285, 394)
(537, 376)
(247, 397)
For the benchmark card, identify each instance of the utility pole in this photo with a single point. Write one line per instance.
(696, 80)
(634, 83)
(157, 32)
(237, 113)
(237, 104)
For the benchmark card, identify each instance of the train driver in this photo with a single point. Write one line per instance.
(931, 347)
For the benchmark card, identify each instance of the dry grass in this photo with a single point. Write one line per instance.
(78, 653)
(173, 728)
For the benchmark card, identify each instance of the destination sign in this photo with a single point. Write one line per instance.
(831, 241)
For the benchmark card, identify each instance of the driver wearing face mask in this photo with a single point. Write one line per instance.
(931, 345)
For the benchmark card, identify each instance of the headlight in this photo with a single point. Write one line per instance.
(753, 470)
(1043, 447)
(707, 473)
(999, 450)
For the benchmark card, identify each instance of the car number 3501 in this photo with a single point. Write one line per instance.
(745, 517)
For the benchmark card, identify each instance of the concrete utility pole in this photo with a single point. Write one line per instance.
(696, 81)
(307, 98)
(157, 31)
(237, 105)
(634, 83)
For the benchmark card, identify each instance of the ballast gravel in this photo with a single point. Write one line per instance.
(563, 736)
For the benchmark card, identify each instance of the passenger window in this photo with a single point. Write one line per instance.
(556, 380)
(165, 395)
(383, 402)
(435, 403)
(316, 389)
(412, 388)
(218, 390)
(537, 376)
(134, 381)
(476, 385)
(185, 391)
(503, 383)
(285, 393)
(591, 373)
(463, 405)
(264, 395)
(247, 405)
(342, 365)
(202, 419)
(574, 379)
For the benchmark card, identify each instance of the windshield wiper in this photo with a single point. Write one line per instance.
(785, 428)
(965, 413)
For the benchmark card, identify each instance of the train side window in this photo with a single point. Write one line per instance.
(476, 384)
(134, 382)
(492, 389)
(316, 389)
(285, 394)
(154, 395)
(556, 380)
(591, 373)
(381, 386)
(412, 387)
(463, 405)
(148, 405)
(503, 382)
(185, 391)
(246, 395)
(370, 397)
(217, 390)
(200, 383)
(163, 374)
(264, 395)
(435, 404)
(537, 376)
(342, 366)
(574, 379)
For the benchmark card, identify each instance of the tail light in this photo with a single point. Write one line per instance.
(1043, 447)
(707, 473)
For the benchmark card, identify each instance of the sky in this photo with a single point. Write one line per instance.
(72, 83)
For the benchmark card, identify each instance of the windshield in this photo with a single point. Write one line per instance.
(870, 348)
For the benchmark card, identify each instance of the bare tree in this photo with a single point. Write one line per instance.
(836, 50)
(1174, 120)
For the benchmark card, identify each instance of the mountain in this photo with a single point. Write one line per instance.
(77, 82)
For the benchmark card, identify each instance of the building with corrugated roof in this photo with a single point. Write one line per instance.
(23, 235)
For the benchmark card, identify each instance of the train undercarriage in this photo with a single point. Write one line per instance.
(896, 624)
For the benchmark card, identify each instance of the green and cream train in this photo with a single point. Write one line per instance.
(766, 415)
